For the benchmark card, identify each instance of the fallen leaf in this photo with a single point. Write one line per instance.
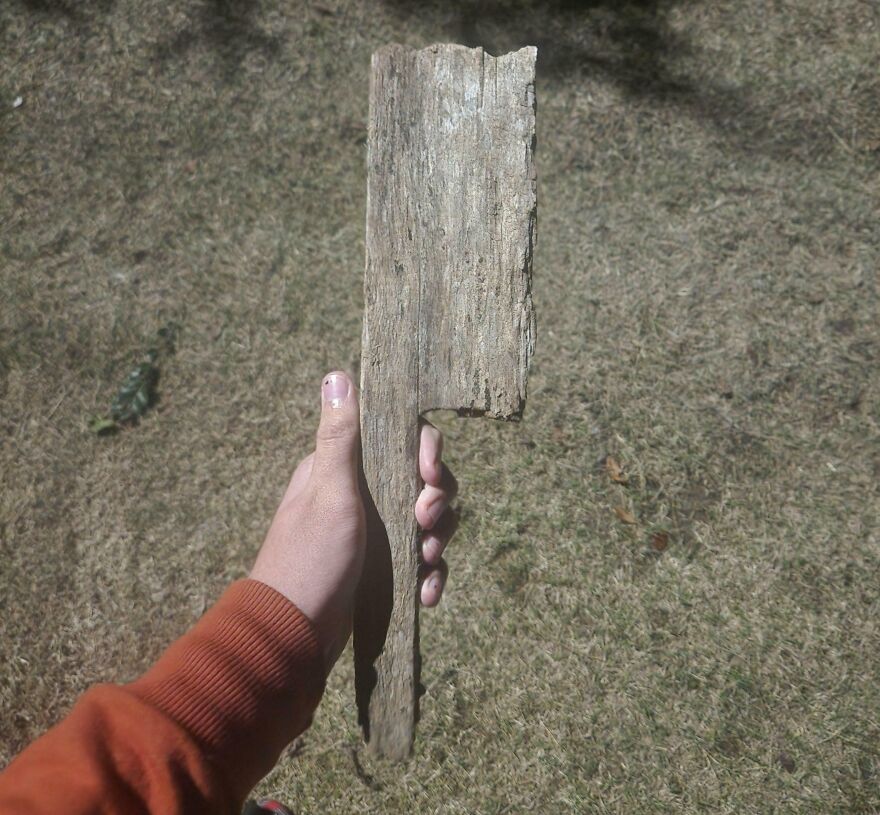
(786, 762)
(615, 471)
(660, 540)
(137, 394)
(625, 515)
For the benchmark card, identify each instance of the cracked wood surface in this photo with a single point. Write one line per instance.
(448, 321)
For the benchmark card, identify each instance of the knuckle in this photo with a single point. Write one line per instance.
(336, 431)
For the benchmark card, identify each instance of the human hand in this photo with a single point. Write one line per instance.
(314, 551)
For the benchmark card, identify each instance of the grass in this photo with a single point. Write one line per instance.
(706, 285)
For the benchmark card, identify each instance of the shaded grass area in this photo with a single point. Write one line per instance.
(706, 285)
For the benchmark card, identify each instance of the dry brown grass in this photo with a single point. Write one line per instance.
(707, 291)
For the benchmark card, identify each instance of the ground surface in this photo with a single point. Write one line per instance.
(706, 283)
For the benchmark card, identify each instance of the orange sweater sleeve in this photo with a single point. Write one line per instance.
(195, 733)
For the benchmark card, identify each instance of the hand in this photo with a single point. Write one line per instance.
(314, 551)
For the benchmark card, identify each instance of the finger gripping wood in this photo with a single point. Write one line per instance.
(448, 322)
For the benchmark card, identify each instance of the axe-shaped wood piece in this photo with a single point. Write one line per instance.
(448, 322)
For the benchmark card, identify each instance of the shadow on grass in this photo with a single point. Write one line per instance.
(627, 42)
(633, 45)
(228, 26)
(230, 29)
(71, 9)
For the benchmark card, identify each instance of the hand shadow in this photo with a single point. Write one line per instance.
(374, 602)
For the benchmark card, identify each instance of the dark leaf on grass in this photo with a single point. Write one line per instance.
(137, 393)
(786, 762)
(659, 540)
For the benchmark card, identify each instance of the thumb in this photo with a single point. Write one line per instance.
(339, 431)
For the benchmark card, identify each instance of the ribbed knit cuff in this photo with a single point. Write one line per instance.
(243, 682)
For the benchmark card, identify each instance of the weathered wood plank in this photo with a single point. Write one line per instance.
(448, 322)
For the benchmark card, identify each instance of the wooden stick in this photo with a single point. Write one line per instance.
(448, 323)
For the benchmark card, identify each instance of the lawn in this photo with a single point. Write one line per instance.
(704, 637)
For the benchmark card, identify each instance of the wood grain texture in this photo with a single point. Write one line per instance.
(448, 323)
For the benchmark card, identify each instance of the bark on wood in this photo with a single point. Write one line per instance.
(448, 323)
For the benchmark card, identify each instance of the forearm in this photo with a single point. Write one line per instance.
(192, 735)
